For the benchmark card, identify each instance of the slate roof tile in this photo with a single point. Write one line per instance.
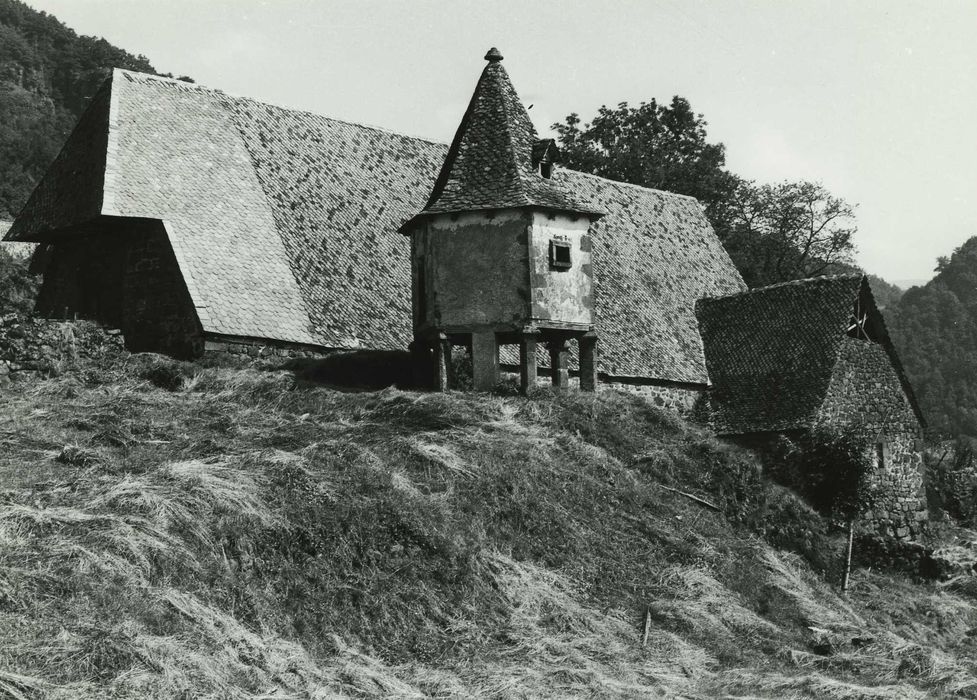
(284, 225)
(770, 352)
(490, 161)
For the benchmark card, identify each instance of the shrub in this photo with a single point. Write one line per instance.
(828, 466)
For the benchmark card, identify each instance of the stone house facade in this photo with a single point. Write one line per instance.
(786, 358)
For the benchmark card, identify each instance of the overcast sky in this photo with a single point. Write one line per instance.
(877, 100)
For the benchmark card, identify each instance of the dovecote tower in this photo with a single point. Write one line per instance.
(501, 252)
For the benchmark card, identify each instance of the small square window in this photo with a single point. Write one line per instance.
(560, 255)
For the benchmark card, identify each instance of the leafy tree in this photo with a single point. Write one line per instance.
(789, 231)
(773, 233)
(659, 146)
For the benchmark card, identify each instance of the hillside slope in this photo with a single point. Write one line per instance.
(935, 329)
(47, 76)
(240, 533)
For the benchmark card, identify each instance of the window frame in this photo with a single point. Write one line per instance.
(555, 262)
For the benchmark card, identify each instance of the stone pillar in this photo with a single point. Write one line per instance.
(588, 361)
(442, 363)
(558, 364)
(527, 362)
(485, 361)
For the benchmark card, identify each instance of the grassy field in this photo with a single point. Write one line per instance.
(174, 531)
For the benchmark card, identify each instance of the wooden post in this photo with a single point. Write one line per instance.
(558, 364)
(485, 361)
(527, 362)
(588, 361)
(442, 363)
(846, 575)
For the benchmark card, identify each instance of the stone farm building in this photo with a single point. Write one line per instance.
(198, 221)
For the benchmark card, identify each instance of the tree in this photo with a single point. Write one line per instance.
(886, 294)
(934, 328)
(659, 146)
(48, 75)
(773, 233)
(789, 231)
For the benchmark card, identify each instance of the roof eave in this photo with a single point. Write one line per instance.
(406, 228)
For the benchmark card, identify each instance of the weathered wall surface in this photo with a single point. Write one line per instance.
(676, 398)
(83, 278)
(561, 295)
(157, 312)
(34, 347)
(124, 275)
(476, 270)
(865, 390)
(243, 348)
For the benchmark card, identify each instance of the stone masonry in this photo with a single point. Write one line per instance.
(35, 347)
(866, 391)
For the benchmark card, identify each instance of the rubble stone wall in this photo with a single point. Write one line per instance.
(33, 347)
(683, 399)
(123, 274)
(243, 348)
(866, 391)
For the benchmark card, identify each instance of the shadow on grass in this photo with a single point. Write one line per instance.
(357, 370)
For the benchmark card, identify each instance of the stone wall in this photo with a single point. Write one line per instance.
(123, 274)
(681, 398)
(471, 271)
(36, 347)
(244, 348)
(82, 278)
(157, 312)
(866, 391)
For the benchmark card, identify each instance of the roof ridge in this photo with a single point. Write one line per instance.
(365, 125)
(789, 283)
(632, 185)
(276, 105)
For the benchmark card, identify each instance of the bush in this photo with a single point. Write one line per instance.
(828, 466)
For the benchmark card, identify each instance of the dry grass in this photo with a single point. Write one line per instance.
(216, 532)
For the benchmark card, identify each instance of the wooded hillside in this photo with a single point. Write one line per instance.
(47, 75)
(935, 329)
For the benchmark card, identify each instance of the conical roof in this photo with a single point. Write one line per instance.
(490, 162)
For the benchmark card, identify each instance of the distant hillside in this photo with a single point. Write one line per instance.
(935, 328)
(47, 76)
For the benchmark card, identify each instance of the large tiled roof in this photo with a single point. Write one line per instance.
(490, 161)
(654, 256)
(770, 352)
(284, 224)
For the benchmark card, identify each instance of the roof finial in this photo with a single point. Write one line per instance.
(493, 55)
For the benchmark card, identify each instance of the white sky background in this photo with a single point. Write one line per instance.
(877, 100)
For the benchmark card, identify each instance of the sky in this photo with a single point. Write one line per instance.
(877, 100)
